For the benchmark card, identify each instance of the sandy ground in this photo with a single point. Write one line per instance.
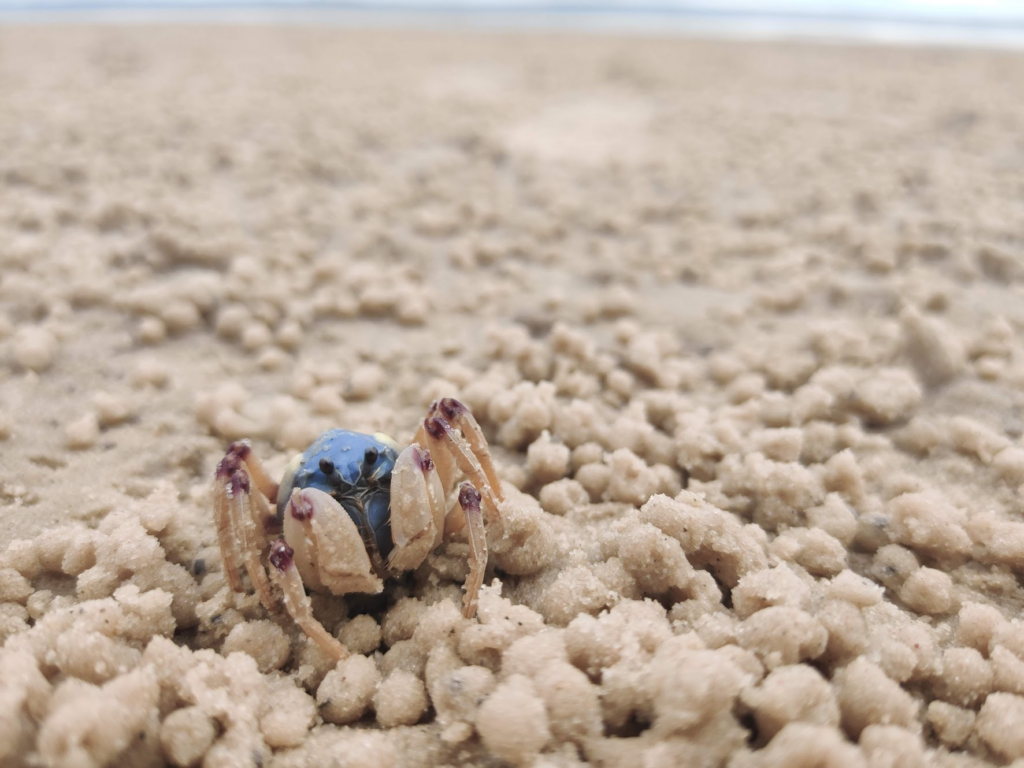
(741, 322)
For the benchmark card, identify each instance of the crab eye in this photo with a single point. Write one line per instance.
(370, 457)
(327, 466)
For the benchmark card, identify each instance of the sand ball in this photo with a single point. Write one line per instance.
(966, 677)
(977, 624)
(361, 635)
(346, 692)
(151, 372)
(513, 722)
(256, 335)
(933, 349)
(773, 586)
(1009, 462)
(152, 330)
(814, 549)
(1000, 724)
(111, 409)
(886, 396)
(562, 496)
(456, 692)
(572, 702)
(529, 654)
(1007, 670)
(326, 400)
(185, 735)
(93, 656)
(834, 517)
(586, 453)
(804, 745)
(401, 620)
(273, 359)
(854, 589)
(266, 642)
(621, 382)
(695, 687)
(973, 438)
(180, 316)
(576, 590)
(630, 479)
(403, 655)
(547, 460)
(441, 622)
(291, 714)
(867, 696)
(289, 335)
(232, 320)
(14, 588)
(83, 432)
(782, 635)
(951, 724)
(400, 700)
(848, 635)
(34, 348)
(74, 733)
(1010, 635)
(22, 556)
(594, 479)
(412, 307)
(367, 380)
(929, 591)
(789, 694)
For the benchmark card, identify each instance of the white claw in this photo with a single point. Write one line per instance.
(417, 509)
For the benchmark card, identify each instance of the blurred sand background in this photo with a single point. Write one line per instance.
(741, 321)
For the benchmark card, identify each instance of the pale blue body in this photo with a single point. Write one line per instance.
(362, 487)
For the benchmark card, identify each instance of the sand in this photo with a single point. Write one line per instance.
(741, 322)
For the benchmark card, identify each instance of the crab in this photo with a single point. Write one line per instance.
(354, 510)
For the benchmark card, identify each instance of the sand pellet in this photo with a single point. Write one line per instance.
(83, 432)
(34, 348)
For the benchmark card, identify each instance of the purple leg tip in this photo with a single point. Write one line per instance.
(240, 448)
(227, 466)
(239, 482)
(436, 426)
(281, 555)
(452, 408)
(469, 498)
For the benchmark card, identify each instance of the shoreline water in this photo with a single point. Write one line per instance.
(824, 28)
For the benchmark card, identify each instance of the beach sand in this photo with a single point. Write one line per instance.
(741, 322)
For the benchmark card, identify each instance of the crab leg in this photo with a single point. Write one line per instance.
(439, 434)
(444, 462)
(268, 522)
(239, 532)
(264, 482)
(297, 603)
(460, 417)
(226, 536)
(249, 529)
(469, 500)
